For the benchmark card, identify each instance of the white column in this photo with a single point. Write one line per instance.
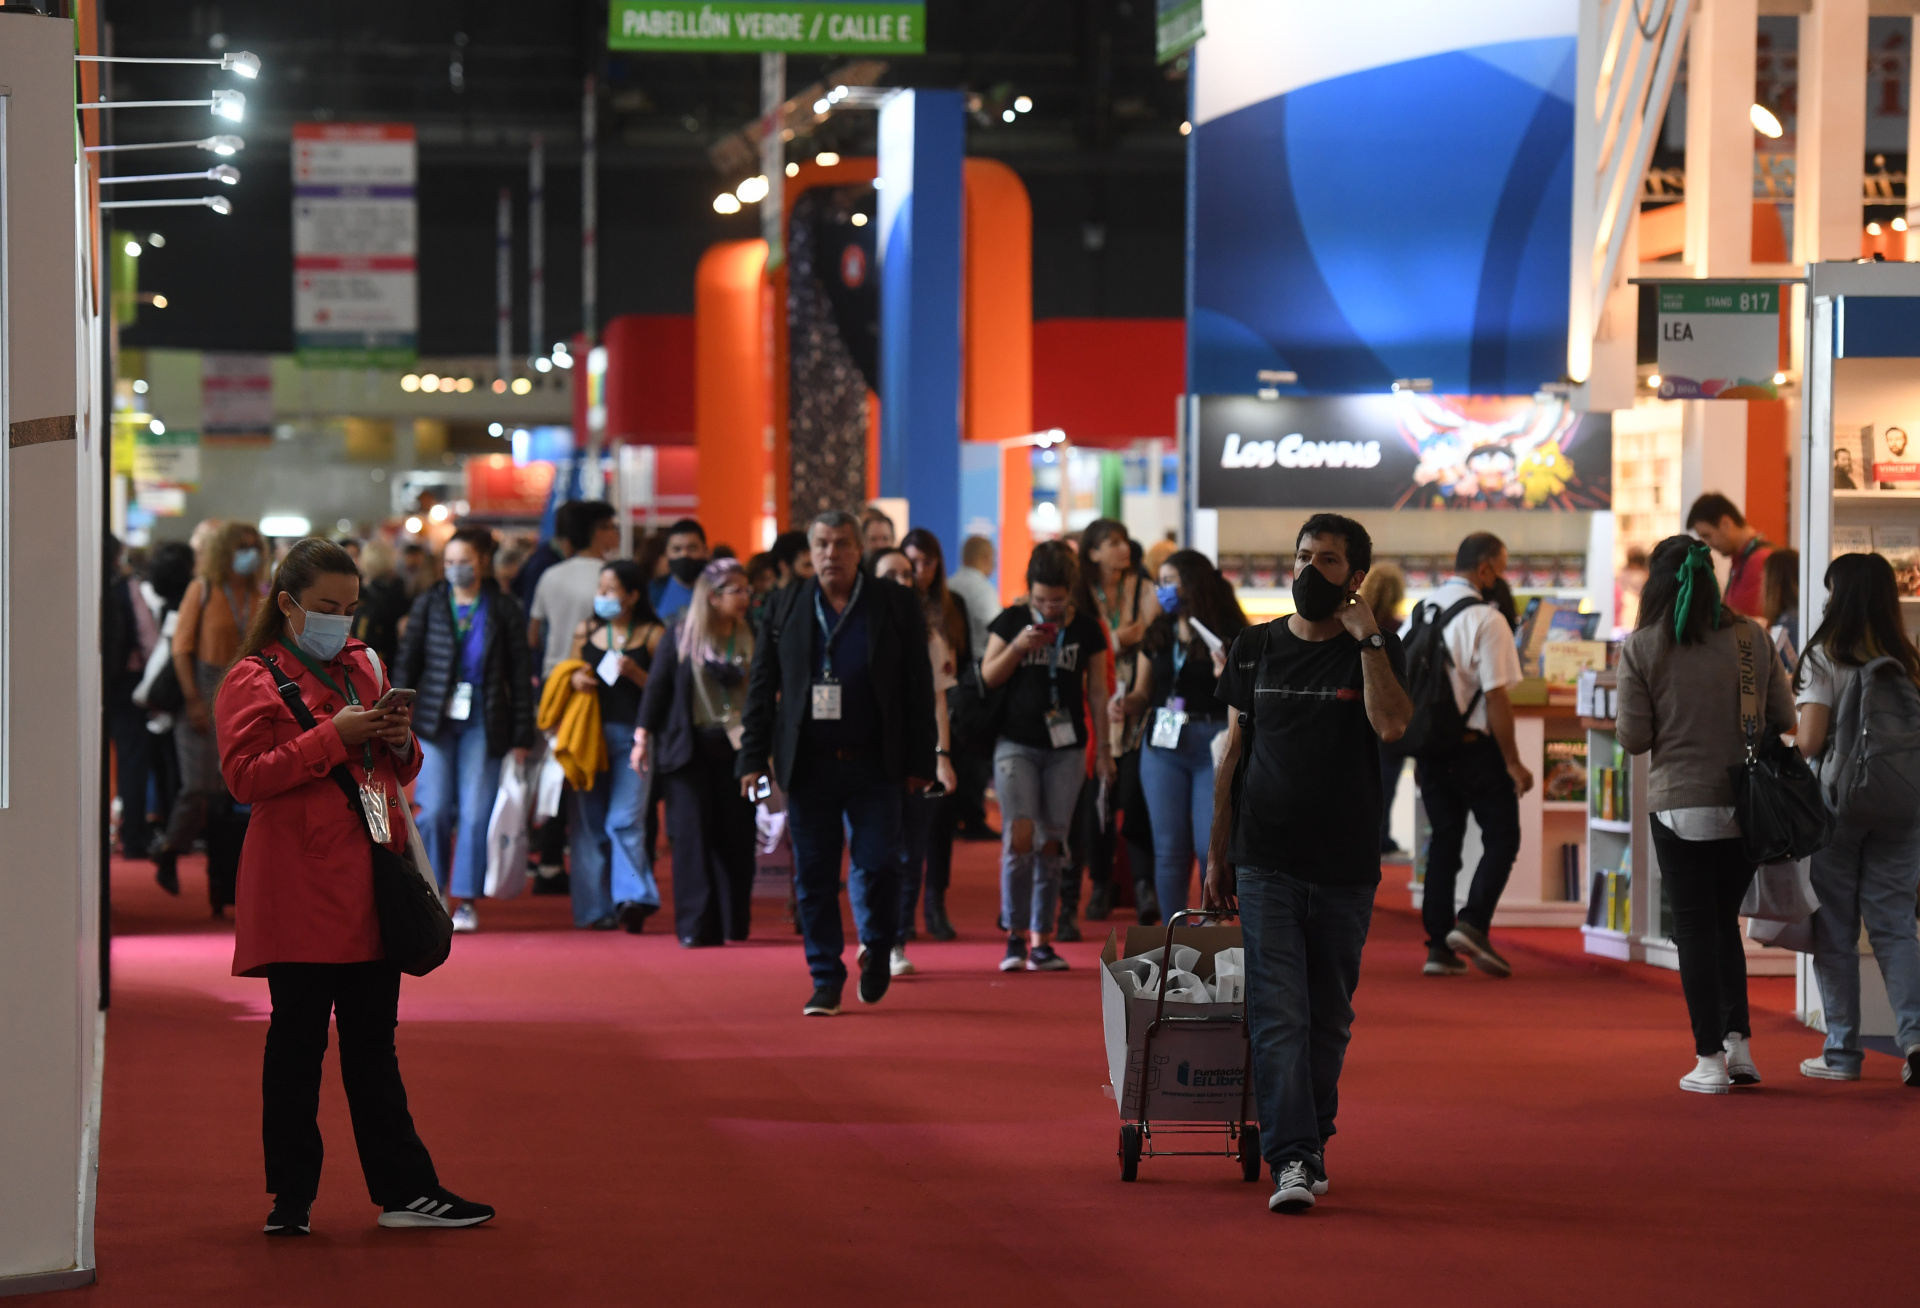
(1832, 136)
(1720, 71)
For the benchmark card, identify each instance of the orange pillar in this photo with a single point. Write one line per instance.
(996, 380)
(1766, 505)
(733, 393)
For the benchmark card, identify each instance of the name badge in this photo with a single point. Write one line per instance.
(609, 668)
(460, 707)
(1060, 729)
(373, 802)
(826, 701)
(1167, 725)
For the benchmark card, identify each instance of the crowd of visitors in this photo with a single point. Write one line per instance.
(843, 693)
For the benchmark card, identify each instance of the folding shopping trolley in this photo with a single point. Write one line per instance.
(1181, 1068)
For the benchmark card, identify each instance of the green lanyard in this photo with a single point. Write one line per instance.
(329, 683)
(462, 622)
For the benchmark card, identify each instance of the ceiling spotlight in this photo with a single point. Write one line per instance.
(156, 240)
(410, 383)
(217, 203)
(543, 365)
(499, 386)
(220, 173)
(439, 513)
(726, 202)
(241, 62)
(837, 94)
(1764, 121)
(522, 385)
(859, 220)
(1186, 129)
(495, 429)
(157, 427)
(826, 158)
(140, 386)
(223, 146)
(429, 381)
(1873, 229)
(1899, 224)
(132, 249)
(158, 301)
(220, 145)
(226, 173)
(1779, 379)
(1023, 103)
(821, 106)
(465, 385)
(230, 105)
(793, 169)
(413, 526)
(1653, 380)
(1008, 115)
(753, 190)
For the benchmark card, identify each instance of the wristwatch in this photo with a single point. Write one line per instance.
(1375, 641)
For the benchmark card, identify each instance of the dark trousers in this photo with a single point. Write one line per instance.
(927, 827)
(712, 831)
(1706, 880)
(132, 757)
(226, 830)
(364, 1000)
(1087, 843)
(1303, 945)
(1472, 782)
(972, 771)
(825, 792)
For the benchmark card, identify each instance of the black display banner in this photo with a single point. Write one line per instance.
(1403, 451)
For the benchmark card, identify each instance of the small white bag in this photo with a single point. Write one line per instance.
(507, 834)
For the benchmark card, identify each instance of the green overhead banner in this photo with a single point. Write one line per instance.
(1177, 25)
(745, 26)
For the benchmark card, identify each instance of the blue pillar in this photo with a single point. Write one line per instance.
(922, 147)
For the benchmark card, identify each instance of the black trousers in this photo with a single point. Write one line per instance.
(1706, 880)
(364, 1000)
(711, 827)
(226, 831)
(1473, 782)
(926, 831)
(131, 759)
(972, 771)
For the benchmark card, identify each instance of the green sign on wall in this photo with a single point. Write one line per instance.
(798, 27)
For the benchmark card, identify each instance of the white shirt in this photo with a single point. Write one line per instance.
(983, 605)
(562, 601)
(1480, 643)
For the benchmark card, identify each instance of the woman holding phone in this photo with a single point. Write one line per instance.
(613, 883)
(305, 915)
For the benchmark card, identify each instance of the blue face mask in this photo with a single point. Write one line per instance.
(1169, 597)
(245, 561)
(606, 607)
(324, 634)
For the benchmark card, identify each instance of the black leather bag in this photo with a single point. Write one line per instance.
(1776, 796)
(414, 926)
(975, 712)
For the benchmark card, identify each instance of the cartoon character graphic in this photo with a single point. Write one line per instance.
(1544, 474)
(1494, 452)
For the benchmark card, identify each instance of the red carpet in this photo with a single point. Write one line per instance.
(661, 1126)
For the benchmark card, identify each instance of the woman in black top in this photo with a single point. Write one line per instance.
(612, 879)
(1173, 690)
(1051, 659)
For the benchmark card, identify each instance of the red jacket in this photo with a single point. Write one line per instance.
(306, 872)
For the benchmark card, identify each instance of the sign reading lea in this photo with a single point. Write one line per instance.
(800, 27)
(1402, 451)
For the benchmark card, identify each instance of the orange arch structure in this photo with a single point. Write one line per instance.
(733, 395)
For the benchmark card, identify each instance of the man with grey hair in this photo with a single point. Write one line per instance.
(840, 712)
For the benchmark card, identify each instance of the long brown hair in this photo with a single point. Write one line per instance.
(306, 563)
(1862, 619)
(216, 561)
(941, 611)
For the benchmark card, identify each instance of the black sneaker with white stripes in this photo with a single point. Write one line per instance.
(1296, 1186)
(289, 1217)
(438, 1207)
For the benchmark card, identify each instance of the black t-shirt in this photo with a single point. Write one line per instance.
(1193, 679)
(1030, 689)
(1309, 802)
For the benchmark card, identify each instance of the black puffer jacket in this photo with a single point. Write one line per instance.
(429, 662)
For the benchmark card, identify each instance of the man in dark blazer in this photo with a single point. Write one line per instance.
(840, 710)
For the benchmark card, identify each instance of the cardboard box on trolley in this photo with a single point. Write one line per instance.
(1198, 1073)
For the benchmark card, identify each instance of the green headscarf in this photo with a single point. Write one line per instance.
(1695, 571)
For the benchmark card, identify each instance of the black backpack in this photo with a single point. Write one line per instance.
(1438, 725)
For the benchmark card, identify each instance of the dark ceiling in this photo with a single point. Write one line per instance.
(1101, 151)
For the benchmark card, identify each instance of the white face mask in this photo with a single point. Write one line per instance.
(324, 634)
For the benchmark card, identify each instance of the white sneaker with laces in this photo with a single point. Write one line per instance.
(1910, 1069)
(1820, 1069)
(899, 964)
(1709, 1076)
(1740, 1067)
(465, 919)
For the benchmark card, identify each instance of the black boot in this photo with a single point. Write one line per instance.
(1100, 902)
(1066, 927)
(166, 870)
(939, 927)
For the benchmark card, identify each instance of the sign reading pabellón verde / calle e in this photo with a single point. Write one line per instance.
(803, 27)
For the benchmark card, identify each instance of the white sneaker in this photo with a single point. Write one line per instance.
(1740, 1068)
(1821, 1070)
(1709, 1076)
(465, 919)
(899, 964)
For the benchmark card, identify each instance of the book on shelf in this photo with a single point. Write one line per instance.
(1562, 661)
(1421, 573)
(1233, 568)
(1570, 572)
(1549, 620)
(1852, 540)
(1564, 778)
(1900, 546)
(1263, 571)
(1570, 873)
(1895, 467)
(1853, 459)
(1541, 572)
(1595, 692)
(1597, 898)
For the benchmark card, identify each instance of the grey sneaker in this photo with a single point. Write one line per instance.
(1821, 1070)
(1740, 1068)
(465, 919)
(1444, 962)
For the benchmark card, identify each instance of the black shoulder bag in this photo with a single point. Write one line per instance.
(414, 926)
(1776, 797)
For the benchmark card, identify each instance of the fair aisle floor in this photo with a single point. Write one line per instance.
(661, 1126)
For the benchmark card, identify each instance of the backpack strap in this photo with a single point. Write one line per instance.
(1440, 626)
(297, 705)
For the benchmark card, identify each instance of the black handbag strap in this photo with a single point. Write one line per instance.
(1749, 685)
(290, 692)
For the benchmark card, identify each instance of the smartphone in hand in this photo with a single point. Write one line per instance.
(398, 698)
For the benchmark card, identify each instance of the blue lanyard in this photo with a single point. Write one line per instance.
(1179, 656)
(820, 612)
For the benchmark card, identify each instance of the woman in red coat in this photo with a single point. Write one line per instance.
(305, 917)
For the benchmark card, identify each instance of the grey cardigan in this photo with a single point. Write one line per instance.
(1683, 703)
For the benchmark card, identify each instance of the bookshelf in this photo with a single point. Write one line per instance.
(1619, 885)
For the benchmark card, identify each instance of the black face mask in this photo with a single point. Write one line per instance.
(686, 570)
(1314, 597)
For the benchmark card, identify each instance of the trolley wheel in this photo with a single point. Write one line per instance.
(1129, 1152)
(1250, 1152)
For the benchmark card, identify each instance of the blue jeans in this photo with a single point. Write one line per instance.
(607, 835)
(1866, 875)
(1040, 787)
(825, 792)
(1303, 962)
(1179, 787)
(456, 789)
